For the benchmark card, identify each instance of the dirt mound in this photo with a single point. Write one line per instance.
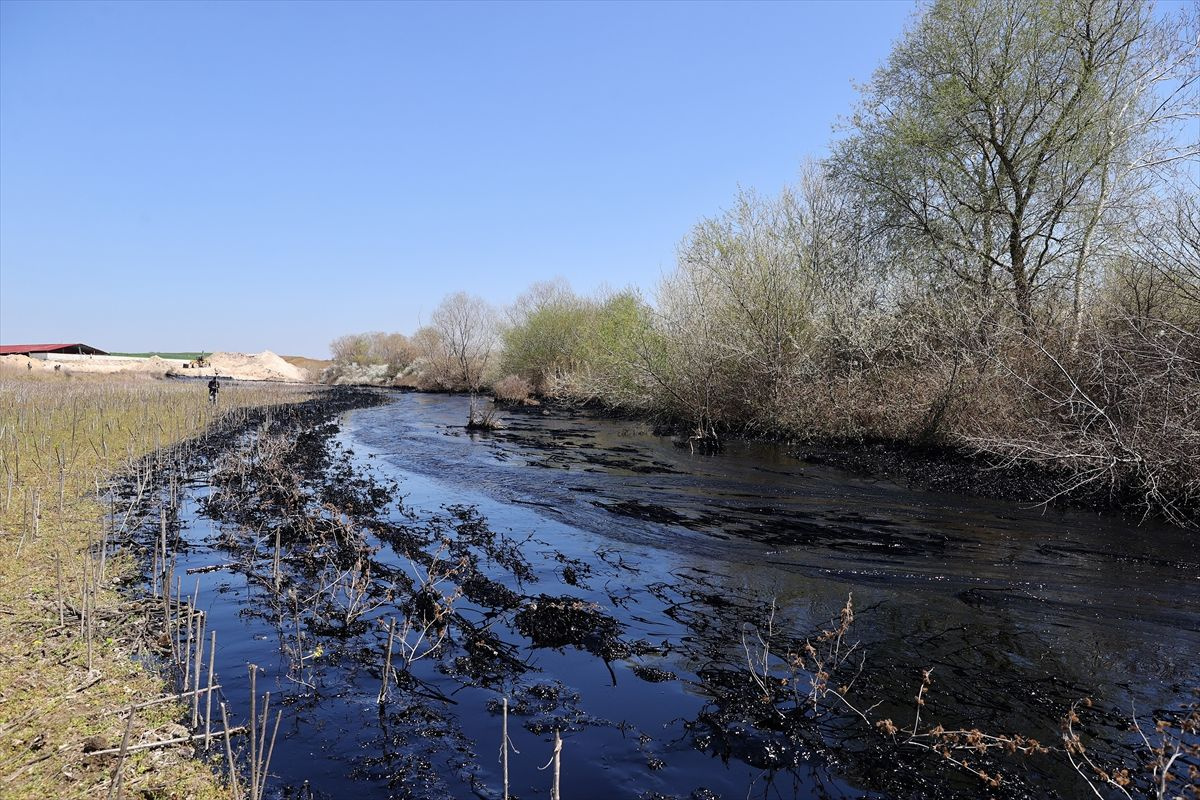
(560, 621)
(264, 366)
(314, 365)
(23, 362)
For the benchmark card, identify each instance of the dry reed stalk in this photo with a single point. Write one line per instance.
(137, 748)
(154, 574)
(387, 661)
(555, 794)
(556, 762)
(83, 612)
(270, 751)
(504, 743)
(253, 716)
(233, 776)
(60, 457)
(200, 624)
(114, 788)
(261, 760)
(187, 650)
(103, 552)
(212, 659)
(177, 621)
(170, 698)
(261, 734)
(58, 573)
(276, 565)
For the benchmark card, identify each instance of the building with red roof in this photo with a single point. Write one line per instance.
(74, 349)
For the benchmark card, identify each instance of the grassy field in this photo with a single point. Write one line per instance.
(181, 356)
(61, 437)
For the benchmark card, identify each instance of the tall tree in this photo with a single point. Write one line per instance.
(999, 131)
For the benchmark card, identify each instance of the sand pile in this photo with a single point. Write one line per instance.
(264, 366)
(22, 362)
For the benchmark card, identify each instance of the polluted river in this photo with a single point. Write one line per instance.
(682, 625)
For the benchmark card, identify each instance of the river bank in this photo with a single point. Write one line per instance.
(623, 592)
(939, 465)
(933, 466)
(78, 641)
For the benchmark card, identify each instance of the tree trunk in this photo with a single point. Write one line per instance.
(1085, 253)
(1022, 291)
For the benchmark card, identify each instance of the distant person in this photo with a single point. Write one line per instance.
(214, 387)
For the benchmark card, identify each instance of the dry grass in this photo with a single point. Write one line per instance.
(512, 389)
(315, 366)
(61, 438)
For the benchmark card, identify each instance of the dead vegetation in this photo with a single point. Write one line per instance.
(512, 389)
(482, 415)
(68, 683)
(813, 680)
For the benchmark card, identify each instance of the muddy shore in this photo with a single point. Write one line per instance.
(935, 467)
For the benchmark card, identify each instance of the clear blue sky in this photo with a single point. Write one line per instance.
(271, 175)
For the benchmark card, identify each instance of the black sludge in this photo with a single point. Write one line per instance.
(691, 625)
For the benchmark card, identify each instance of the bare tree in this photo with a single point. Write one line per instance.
(737, 311)
(431, 363)
(466, 326)
(538, 297)
(393, 349)
(1164, 252)
(354, 348)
